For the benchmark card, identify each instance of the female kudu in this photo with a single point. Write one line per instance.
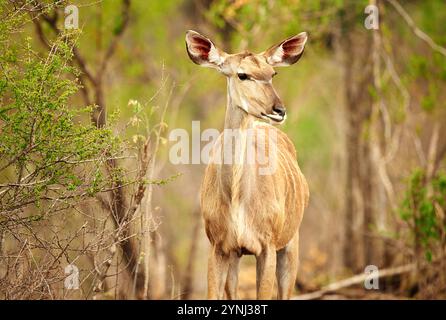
(245, 211)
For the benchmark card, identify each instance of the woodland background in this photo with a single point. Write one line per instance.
(87, 189)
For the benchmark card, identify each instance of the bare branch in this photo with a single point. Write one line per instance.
(125, 12)
(357, 279)
(417, 31)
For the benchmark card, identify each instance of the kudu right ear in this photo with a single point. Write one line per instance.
(202, 51)
(287, 52)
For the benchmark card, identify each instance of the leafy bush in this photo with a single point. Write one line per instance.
(48, 151)
(422, 208)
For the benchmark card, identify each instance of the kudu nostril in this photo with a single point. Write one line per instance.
(280, 110)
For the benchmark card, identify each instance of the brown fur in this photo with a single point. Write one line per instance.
(257, 214)
(246, 212)
(273, 203)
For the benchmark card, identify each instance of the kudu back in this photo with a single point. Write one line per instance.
(247, 210)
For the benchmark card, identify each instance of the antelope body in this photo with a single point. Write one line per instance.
(246, 212)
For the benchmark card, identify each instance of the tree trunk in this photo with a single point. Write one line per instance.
(360, 183)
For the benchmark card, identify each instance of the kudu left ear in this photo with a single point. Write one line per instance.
(202, 51)
(287, 52)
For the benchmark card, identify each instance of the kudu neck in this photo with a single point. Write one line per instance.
(236, 123)
(236, 117)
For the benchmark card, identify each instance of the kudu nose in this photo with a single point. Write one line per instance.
(280, 110)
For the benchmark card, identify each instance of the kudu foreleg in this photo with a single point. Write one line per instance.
(232, 279)
(266, 267)
(217, 272)
(287, 265)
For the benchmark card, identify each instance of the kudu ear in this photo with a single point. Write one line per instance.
(202, 51)
(287, 52)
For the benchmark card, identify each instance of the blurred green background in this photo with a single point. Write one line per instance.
(365, 107)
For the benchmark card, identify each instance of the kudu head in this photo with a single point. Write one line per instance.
(249, 75)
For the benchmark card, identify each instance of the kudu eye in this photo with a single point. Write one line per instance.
(242, 76)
